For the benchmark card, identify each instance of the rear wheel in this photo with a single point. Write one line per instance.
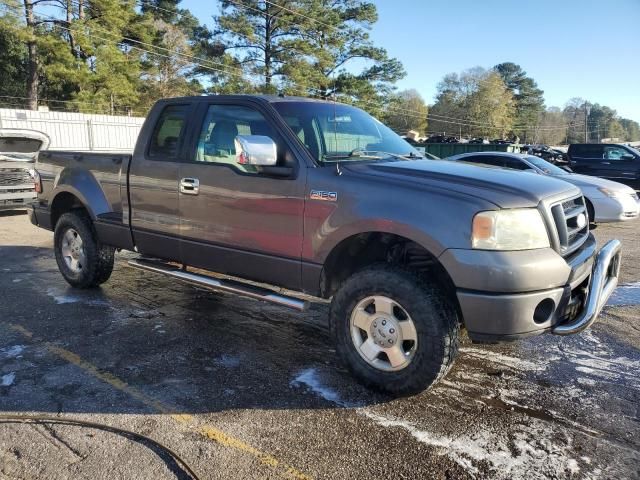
(83, 261)
(394, 330)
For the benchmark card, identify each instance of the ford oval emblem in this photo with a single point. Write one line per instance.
(581, 220)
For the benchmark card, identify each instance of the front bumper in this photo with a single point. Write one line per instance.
(501, 314)
(14, 200)
(616, 209)
(40, 216)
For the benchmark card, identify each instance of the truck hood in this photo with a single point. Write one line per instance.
(17, 157)
(585, 181)
(504, 188)
(21, 145)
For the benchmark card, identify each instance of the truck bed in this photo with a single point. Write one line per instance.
(106, 171)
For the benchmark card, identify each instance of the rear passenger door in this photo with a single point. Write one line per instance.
(586, 158)
(240, 221)
(153, 183)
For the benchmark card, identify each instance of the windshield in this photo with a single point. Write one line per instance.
(546, 167)
(337, 132)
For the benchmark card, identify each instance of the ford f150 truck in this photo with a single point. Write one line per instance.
(321, 198)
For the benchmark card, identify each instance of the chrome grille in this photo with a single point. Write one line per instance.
(565, 216)
(14, 176)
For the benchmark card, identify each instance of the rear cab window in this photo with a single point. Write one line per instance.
(167, 133)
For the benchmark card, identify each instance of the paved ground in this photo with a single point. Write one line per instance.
(242, 389)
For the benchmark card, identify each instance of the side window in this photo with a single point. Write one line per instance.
(222, 124)
(479, 159)
(587, 151)
(167, 133)
(488, 160)
(614, 153)
(514, 164)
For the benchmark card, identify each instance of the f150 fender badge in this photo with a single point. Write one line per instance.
(324, 196)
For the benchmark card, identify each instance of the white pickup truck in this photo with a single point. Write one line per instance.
(18, 151)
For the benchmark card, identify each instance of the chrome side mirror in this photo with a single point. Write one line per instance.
(257, 150)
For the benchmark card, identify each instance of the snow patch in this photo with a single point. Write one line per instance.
(12, 352)
(534, 451)
(311, 379)
(499, 358)
(227, 361)
(61, 298)
(626, 294)
(7, 380)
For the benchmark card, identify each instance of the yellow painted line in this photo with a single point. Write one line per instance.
(207, 431)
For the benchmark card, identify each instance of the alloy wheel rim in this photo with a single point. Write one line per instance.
(73, 251)
(383, 333)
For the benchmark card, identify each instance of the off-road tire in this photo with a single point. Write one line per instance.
(99, 257)
(432, 312)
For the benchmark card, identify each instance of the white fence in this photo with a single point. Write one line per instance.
(77, 131)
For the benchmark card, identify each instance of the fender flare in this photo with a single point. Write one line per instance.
(85, 187)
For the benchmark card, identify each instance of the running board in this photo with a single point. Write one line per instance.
(216, 284)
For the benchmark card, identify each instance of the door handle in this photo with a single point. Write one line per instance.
(190, 186)
(606, 163)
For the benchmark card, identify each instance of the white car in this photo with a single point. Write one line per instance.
(607, 201)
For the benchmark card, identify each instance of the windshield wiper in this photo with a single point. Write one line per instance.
(376, 154)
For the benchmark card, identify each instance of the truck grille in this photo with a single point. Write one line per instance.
(571, 233)
(14, 176)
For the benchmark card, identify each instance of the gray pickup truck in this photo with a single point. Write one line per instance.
(321, 198)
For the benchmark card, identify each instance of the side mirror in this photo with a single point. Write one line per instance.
(628, 158)
(258, 150)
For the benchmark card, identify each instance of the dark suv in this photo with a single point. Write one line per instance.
(612, 161)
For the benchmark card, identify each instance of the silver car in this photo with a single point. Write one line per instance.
(607, 201)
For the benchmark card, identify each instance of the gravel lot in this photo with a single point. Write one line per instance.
(243, 389)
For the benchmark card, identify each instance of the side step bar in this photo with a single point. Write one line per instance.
(219, 285)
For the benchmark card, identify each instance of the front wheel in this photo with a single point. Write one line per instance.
(83, 261)
(394, 330)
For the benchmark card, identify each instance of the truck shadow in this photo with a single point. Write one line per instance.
(12, 213)
(190, 350)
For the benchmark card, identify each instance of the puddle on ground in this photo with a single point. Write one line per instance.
(626, 294)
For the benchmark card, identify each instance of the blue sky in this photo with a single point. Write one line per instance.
(572, 48)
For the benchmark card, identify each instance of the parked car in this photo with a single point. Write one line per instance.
(606, 201)
(319, 197)
(18, 151)
(552, 155)
(612, 161)
(441, 139)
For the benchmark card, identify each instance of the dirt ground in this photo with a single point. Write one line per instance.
(242, 389)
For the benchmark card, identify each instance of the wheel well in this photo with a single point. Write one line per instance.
(64, 202)
(364, 249)
(590, 210)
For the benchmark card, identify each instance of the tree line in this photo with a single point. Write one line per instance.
(120, 56)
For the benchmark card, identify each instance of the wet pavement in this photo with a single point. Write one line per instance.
(244, 389)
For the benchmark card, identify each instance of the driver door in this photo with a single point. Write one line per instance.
(618, 164)
(234, 219)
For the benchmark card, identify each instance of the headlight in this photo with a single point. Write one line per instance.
(517, 229)
(612, 193)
